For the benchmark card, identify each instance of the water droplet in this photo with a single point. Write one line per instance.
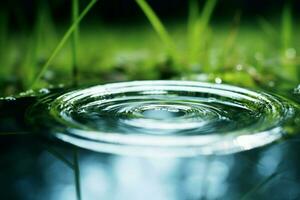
(10, 98)
(27, 93)
(218, 80)
(239, 67)
(44, 91)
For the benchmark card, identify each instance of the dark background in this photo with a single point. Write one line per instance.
(126, 11)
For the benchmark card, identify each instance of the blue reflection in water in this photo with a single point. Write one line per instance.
(107, 176)
(270, 160)
(141, 178)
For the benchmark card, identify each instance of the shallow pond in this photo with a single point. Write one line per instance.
(151, 140)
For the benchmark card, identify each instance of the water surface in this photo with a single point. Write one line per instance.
(180, 118)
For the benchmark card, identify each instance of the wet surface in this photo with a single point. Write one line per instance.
(180, 118)
(38, 166)
(30, 171)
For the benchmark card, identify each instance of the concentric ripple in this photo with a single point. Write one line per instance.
(181, 118)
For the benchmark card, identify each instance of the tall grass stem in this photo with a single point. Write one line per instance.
(159, 28)
(75, 41)
(77, 173)
(196, 34)
(64, 39)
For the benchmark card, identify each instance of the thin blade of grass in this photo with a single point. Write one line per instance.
(158, 27)
(59, 156)
(192, 18)
(286, 26)
(75, 40)
(206, 14)
(231, 38)
(267, 27)
(29, 66)
(196, 37)
(3, 42)
(288, 59)
(255, 189)
(77, 173)
(74, 166)
(63, 41)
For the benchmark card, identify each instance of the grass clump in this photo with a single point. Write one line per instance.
(237, 52)
(159, 28)
(62, 42)
(197, 27)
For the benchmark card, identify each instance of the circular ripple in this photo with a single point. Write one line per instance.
(181, 118)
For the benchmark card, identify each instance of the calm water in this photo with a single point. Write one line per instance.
(152, 140)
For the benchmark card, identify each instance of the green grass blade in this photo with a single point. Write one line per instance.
(158, 27)
(192, 19)
(230, 40)
(29, 66)
(200, 25)
(63, 41)
(291, 71)
(3, 42)
(267, 27)
(75, 39)
(59, 156)
(256, 188)
(76, 173)
(287, 30)
(74, 166)
(207, 11)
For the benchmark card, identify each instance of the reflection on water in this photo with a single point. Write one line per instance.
(28, 171)
(155, 118)
(34, 167)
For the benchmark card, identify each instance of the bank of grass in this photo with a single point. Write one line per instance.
(238, 52)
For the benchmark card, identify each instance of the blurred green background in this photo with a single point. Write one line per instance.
(247, 43)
